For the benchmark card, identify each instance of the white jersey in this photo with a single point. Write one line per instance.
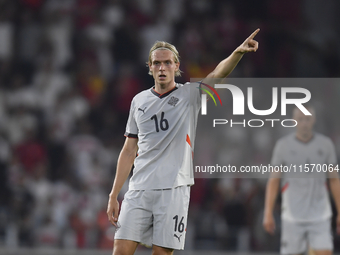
(165, 125)
(304, 198)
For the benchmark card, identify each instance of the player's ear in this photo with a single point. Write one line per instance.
(177, 66)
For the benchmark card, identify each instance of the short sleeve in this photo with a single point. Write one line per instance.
(195, 94)
(277, 154)
(131, 130)
(332, 154)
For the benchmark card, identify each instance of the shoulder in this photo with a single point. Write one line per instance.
(285, 143)
(188, 85)
(141, 96)
(181, 86)
(191, 90)
(286, 139)
(320, 138)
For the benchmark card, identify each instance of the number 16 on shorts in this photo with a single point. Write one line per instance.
(179, 227)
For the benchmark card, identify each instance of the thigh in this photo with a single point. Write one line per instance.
(170, 217)
(293, 238)
(320, 236)
(135, 218)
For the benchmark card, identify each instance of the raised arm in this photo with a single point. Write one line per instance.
(226, 66)
(124, 165)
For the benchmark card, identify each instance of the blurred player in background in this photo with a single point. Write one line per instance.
(306, 210)
(161, 128)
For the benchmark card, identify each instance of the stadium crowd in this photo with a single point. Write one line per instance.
(68, 72)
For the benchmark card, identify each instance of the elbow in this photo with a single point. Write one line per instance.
(211, 75)
(217, 75)
(128, 154)
(131, 155)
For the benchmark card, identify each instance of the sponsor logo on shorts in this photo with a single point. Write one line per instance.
(178, 237)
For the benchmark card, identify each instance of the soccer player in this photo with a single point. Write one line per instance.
(306, 211)
(161, 130)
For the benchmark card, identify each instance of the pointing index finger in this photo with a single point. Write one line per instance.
(254, 33)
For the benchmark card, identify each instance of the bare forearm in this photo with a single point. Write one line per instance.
(334, 184)
(124, 165)
(226, 66)
(271, 194)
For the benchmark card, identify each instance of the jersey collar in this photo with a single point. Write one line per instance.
(309, 141)
(153, 91)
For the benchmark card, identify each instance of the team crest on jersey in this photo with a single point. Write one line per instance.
(173, 101)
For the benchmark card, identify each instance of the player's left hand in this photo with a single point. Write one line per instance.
(112, 211)
(338, 224)
(269, 223)
(249, 45)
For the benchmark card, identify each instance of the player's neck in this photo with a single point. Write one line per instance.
(163, 88)
(305, 137)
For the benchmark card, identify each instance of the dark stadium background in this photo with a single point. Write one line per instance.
(68, 72)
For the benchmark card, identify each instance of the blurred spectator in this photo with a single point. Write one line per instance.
(127, 86)
(6, 35)
(100, 36)
(210, 225)
(29, 37)
(22, 95)
(4, 187)
(61, 120)
(49, 84)
(41, 188)
(235, 213)
(47, 235)
(58, 32)
(31, 152)
(63, 203)
(90, 82)
(157, 30)
(113, 14)
(85, 12)
(20, 227)
(83, 148)
(19, 122)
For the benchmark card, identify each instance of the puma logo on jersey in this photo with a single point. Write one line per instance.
(142, 110)
(178, 237)
(173, 101)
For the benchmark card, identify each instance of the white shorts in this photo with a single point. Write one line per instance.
(156, 217)
(296, 236)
